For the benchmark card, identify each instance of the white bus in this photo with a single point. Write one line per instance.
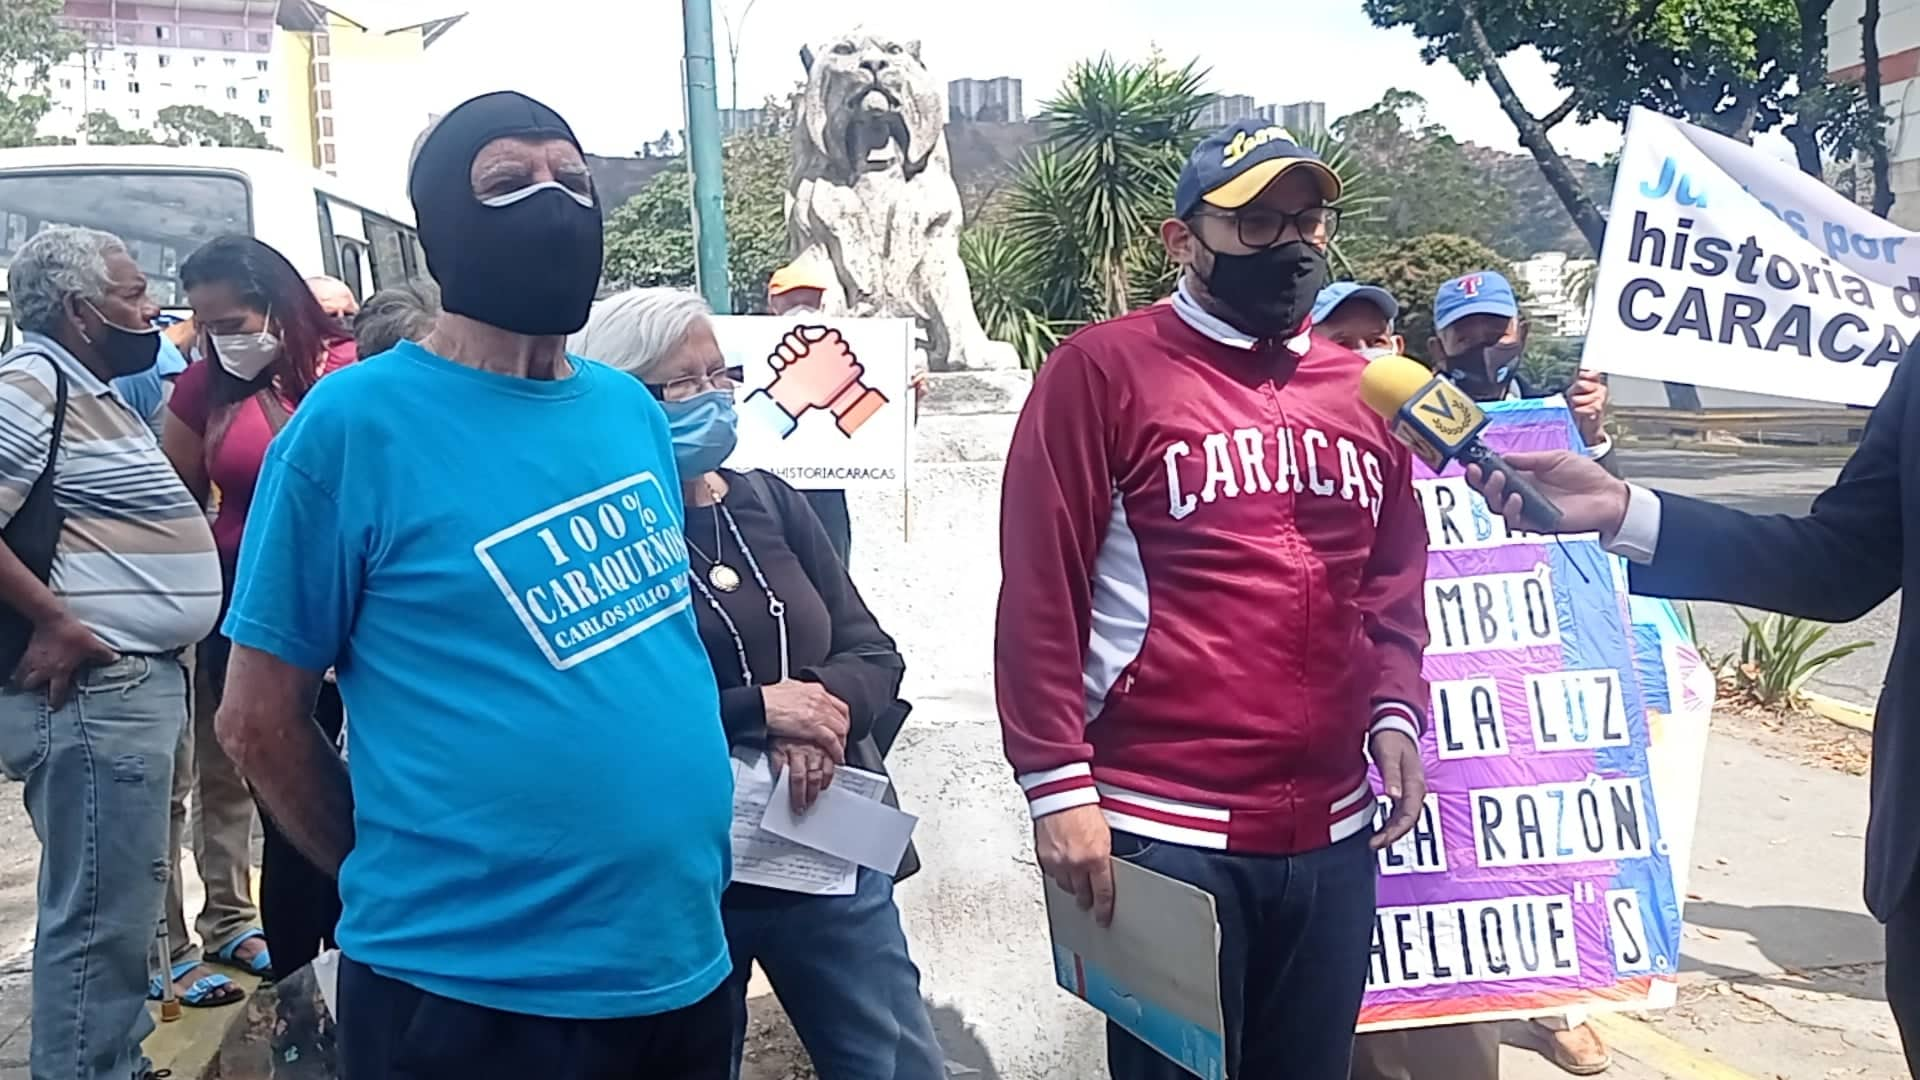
(165, 201)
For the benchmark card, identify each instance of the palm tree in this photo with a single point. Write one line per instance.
(1123, 131)
(1081, 239)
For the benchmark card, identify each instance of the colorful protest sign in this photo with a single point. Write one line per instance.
(1726, 266)
(825, 401)
(1563, 759)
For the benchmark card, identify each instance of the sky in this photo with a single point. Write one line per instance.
(612, 67)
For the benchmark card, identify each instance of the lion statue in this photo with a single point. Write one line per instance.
(872, 196)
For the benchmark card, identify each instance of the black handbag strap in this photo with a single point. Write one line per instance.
(59, 418)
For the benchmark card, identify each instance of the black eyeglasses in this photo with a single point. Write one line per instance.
(727, 378)
(1263, 228)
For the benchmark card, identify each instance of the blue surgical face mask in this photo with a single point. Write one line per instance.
(705, 430)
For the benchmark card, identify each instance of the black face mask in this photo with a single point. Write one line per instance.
(126, 351)
(528, 261)
(1270, 292)
(1486, 371)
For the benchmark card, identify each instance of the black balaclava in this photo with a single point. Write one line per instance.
(530, 264)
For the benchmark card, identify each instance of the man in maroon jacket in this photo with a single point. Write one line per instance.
(1213, 607)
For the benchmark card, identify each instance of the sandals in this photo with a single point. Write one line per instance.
(261, 964)
(207, 992)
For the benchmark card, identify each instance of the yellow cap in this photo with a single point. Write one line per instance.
(796, 275)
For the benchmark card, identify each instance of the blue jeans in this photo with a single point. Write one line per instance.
(99, 783)
(1295, 931)
(840, 967)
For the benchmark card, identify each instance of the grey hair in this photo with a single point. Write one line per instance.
(60, 263)
(420, 141)
(636, 329)
(390, 316)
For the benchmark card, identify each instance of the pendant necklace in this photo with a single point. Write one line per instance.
(719, 575)
(776, 608)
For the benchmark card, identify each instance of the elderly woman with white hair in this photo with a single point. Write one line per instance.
(804, 673)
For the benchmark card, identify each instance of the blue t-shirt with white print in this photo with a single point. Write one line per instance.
(495, 566)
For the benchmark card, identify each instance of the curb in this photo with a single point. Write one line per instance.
(1830, 454)
(1647, 1045)
(188, 1045)
(1858, 717)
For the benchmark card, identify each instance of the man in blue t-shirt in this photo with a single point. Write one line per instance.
(482, 535)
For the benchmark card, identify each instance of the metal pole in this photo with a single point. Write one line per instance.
(703, 154)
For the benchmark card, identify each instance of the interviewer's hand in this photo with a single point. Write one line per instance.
(1075, 848)
(806, 712)
(1406, 781)
(1590, 498)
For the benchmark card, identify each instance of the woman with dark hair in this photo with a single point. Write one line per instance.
(263, 342)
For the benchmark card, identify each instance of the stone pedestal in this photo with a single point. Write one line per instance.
(974, 915)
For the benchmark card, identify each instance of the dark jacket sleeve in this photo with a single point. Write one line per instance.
(863, 666)
(743, 713)
(1835, 563)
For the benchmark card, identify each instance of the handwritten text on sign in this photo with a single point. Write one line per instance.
(1536, 876)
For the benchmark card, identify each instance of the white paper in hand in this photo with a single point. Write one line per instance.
(847, 820)
(774, 862)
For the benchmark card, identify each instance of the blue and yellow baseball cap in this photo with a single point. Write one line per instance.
(1482, 292)
(1232, 166)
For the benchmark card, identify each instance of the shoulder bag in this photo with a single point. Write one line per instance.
(33, 533)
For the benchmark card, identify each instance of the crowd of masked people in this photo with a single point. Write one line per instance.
(295, 534)
(509, 806)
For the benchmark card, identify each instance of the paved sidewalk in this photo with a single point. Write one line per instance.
(1782, 963)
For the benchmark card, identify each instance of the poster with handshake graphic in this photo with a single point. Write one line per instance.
(824, 401)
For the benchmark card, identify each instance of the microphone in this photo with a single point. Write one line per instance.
(1440, 423)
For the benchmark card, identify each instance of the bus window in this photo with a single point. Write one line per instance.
(350, 259)
(162, 216)
(389, 252)
(329, 252)
(419, 256)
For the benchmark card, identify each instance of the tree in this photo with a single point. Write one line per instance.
(649, 238)
(1122, 132)
(1817, 99)
(32, 41)
(1414, 268)
(1877, 138)
(1429, 183)
(1076, 237)
(197, 125)
(1724, 64)
(104, 130)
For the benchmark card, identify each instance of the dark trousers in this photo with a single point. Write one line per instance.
(1449, 1051)
(390, 1030)
(1294, 935)
(1903, 975)
(299, 902)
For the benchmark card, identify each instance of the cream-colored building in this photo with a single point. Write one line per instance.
(141, 58)
(353, 74)
(1899, 41)
(339, 85)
